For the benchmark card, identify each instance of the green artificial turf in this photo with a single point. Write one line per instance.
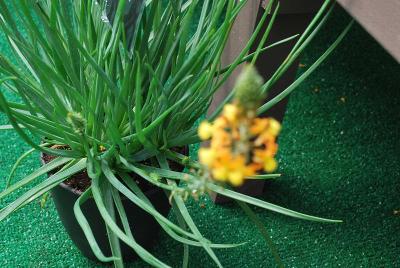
(339, 156)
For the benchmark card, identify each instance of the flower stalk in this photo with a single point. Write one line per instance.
(241, 144)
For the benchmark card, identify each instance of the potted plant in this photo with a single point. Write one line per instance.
(113, 90)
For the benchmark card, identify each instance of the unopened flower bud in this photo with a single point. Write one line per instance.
(77, 122)
(248, 88)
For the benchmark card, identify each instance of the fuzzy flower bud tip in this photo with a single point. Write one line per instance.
(248, 88)
(77, 121)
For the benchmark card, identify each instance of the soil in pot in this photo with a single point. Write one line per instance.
(145, 228)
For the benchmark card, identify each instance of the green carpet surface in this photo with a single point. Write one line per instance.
(339, 156)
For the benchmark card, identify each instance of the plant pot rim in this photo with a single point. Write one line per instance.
(148, 192)
(62, 184)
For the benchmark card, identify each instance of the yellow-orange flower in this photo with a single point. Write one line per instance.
(236, 178)
(220, 139)
(206, 156)
(220, 174)
(205, 130)
(241, 145)
(270, 164)
(274, 127)
(231, 112)
(259, 125)
(220, 123)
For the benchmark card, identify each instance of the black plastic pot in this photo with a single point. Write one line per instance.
(144, 228)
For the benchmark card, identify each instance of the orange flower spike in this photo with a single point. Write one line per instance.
(241, 143)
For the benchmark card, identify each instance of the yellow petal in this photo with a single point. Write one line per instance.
(259, 125)
(220, 174)
(274, 127)
(206, 156)
(220, 123)
(236, 178)
(231, 112)
(205, 130)
(270, 164)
